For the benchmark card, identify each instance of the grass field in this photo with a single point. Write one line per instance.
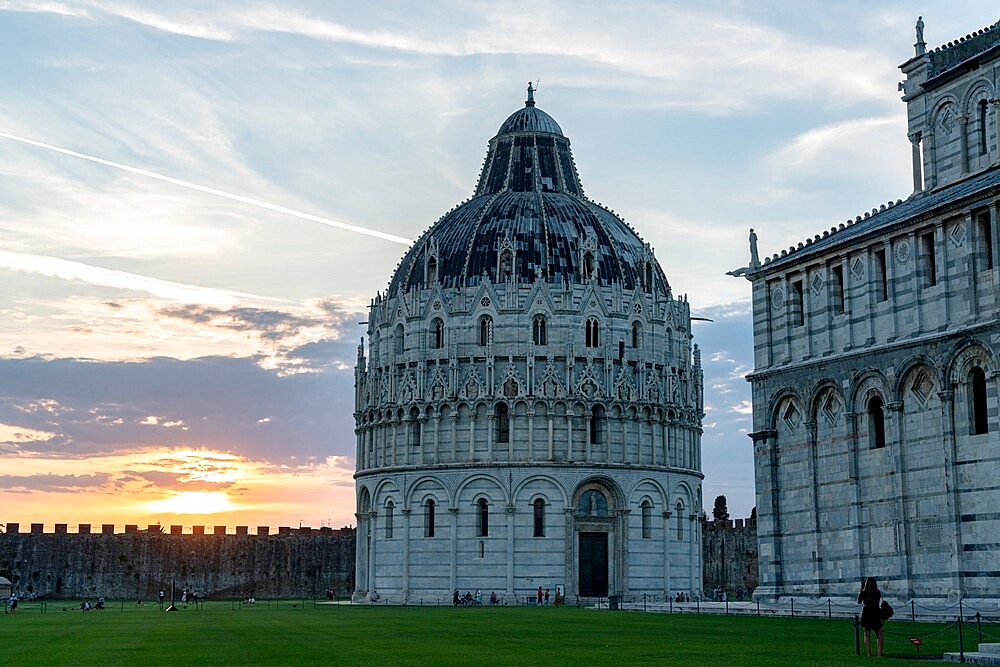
(290, 633)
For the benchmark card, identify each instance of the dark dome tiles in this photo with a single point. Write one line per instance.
(530, 119)
(546, 224)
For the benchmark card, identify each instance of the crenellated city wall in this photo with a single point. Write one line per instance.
(139, 563)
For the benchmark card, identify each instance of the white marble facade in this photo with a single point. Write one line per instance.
(877, 439)
(529, 409)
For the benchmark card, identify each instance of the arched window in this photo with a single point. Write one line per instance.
(483, 518)
(647, 519)
(637, 334)
(437, 333)
(389, 507)
(432, 270)
(983, 149)
(503, 422)
(415, 427)
(680, 520)
(593, 336)
(429, 518)
(977, 402)
(596, 425)
(588, 265)
(398, 338)
(506, 265)
(539, 512)
(876, 422)
(485, 330)
(647, 283)
(538, 333)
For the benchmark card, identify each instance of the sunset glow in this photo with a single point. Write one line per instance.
(193, 502)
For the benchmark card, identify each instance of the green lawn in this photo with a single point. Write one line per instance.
(292, 634)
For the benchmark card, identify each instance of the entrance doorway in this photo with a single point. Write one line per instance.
(593, 564)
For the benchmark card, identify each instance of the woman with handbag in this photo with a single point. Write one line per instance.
(871, 614)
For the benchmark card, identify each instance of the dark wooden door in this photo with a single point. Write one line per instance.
(593, 564)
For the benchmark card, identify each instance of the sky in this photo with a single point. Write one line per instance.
(180, 298)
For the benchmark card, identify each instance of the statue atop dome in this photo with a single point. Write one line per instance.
(531, 95)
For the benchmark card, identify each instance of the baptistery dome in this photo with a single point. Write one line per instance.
(528, 412)
(529, 196)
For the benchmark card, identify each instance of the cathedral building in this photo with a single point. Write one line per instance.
(876, 427)
(528, 413)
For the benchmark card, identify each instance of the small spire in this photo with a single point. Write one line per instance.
(531, 96)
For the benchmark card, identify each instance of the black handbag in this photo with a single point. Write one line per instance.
(886, 610)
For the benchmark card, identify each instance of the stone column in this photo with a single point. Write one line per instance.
(665, 429)
(954, 507)
(623, 550)
(588, 416)
(606, 434)
(890, 289)
(531, 434)
(454, 436)
(963, 127)
(973, 264)
(996, 128)
(510, 550)
(812, 484)
(768, 512)
(944, 276)
(897, 445)
(916, 279)
(406, 511)
(693, 554)
(854, 474)
(666, 553)
(436, 454)
(569, 549)
(453, 575)
(360, 550)
(917, 160)
(552, 453)
(372, 558)
(491, 432)
(361, 436)
(472, 434)
(569, 433)
(420, 426)
(930, 160)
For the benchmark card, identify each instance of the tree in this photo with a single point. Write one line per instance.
(720, 512)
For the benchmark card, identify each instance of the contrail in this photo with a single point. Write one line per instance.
(65, 269)
(213, 191)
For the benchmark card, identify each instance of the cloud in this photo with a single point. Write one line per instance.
(63, 269)
(218, 399)
(52, 483)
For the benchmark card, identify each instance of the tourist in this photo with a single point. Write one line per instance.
(456, 598)
(546, 597)
(871, 616)
(538, 600)
(493, 598)
(100, 603)
(479, 598)
(12, 603)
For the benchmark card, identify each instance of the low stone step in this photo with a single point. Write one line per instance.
(974, 658)
(992, 649)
